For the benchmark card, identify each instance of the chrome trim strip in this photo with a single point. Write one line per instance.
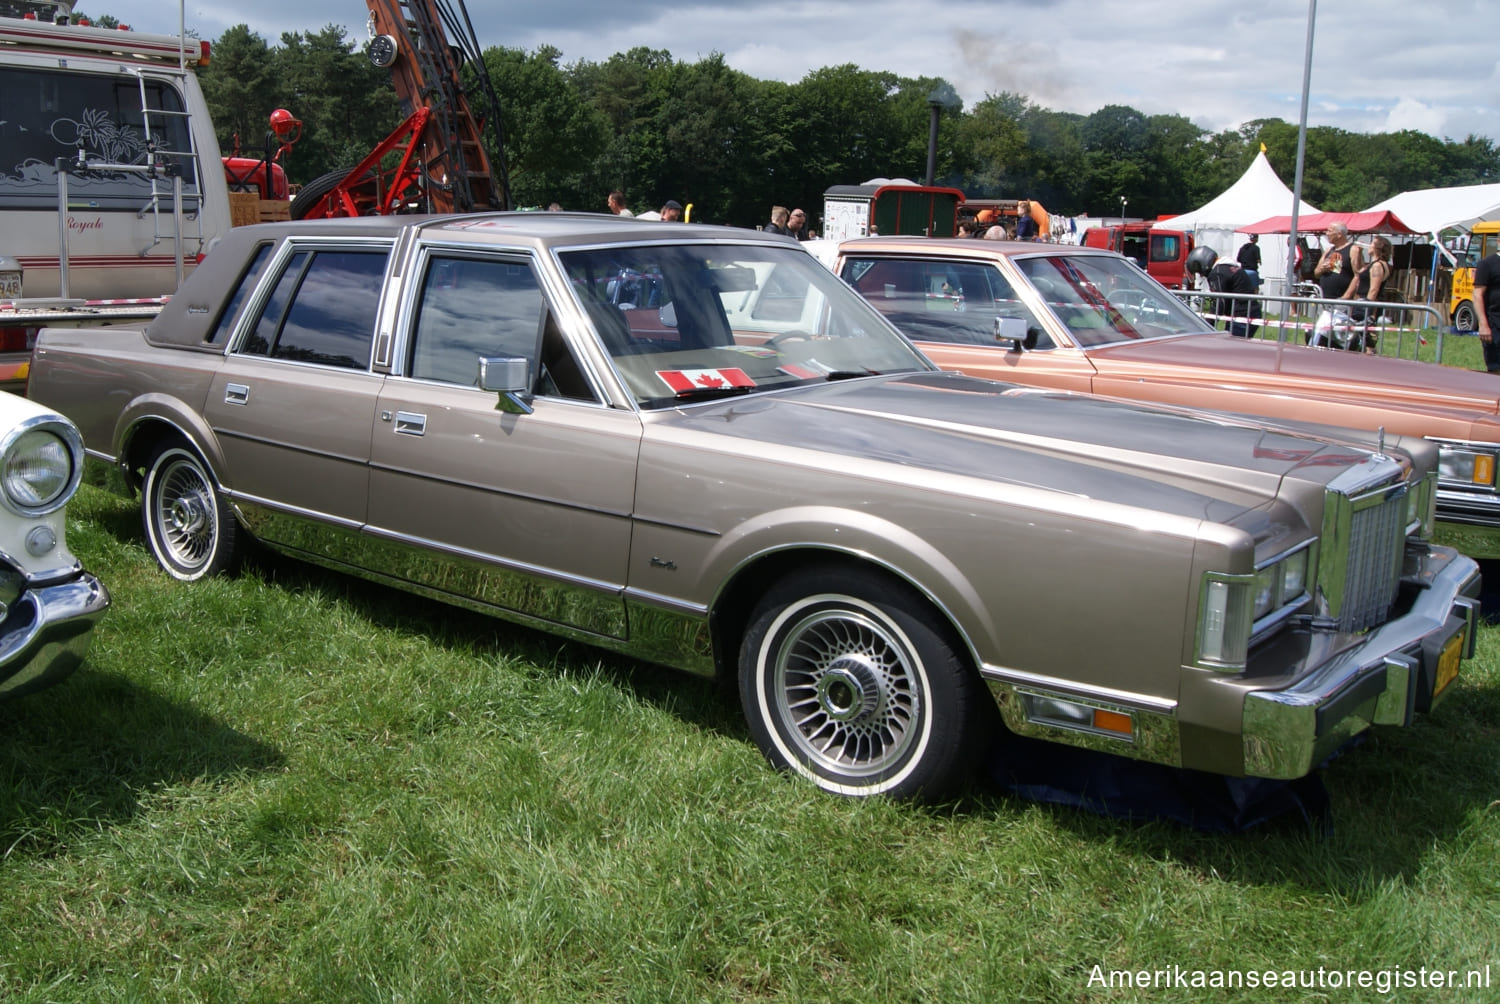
(1157, 737)
(274, 509)
(522, 567)
(1124, 700)
(463, 578)
(665, 602)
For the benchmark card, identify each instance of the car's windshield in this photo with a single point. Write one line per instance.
(688, 321)
(1103, 299)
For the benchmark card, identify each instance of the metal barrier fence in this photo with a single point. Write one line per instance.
(1298, 319)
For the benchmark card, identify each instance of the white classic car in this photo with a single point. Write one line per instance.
(48, 603)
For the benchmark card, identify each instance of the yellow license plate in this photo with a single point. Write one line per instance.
(1447, 668)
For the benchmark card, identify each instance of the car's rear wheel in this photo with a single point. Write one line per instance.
(1464, 318)
(854, 682)
(189, 528)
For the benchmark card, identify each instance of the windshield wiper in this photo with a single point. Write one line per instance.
(699, 393)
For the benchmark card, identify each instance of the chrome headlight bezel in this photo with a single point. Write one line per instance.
(1421, 506)
(41, 465)
(1236, 611)
(1225, 604)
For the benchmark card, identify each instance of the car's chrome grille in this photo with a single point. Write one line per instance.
(1376, 542)
(1364, 540)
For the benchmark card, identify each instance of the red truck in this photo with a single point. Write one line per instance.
(1162, 253)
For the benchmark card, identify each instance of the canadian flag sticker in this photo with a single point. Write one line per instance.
(686, 381)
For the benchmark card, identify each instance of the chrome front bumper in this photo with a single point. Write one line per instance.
(1386, 679)
(46, 632)
(1469, 522)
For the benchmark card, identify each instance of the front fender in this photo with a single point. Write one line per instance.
(836, 531)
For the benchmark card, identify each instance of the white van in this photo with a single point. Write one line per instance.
(111, 184)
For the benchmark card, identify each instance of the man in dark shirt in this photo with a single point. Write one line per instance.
(1249, 258)
(1487, 308)
(1339, 264)
(1243, 315)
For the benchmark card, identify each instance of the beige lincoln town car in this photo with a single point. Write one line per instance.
(696, 445)
(1091, 321)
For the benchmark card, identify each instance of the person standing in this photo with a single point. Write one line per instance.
(1249, 258)
(1340, 263)
(1242, 315)
(672, 211)
(1486, 299)
(1367, 284)
(1025, 225)
(616, 203)
(797, 225)
(779, 216)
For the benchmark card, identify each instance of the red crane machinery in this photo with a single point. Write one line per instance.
(435, 161)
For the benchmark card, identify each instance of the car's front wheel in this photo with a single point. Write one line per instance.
(189, 528)
(853, 682)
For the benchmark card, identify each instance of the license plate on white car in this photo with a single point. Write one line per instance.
(10, 285)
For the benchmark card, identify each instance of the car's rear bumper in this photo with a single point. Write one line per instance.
(1400, 669)
(46, 633)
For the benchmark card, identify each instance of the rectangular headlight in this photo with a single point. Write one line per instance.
(1294, 575)
(1225, 614)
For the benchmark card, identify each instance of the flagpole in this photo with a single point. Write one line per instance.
(1291, 247)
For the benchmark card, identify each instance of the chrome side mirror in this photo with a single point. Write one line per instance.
(1013, 331)
(509, 377)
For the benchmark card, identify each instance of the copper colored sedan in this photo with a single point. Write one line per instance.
(1085, 320)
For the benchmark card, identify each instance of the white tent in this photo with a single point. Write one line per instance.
(1432, 210)
(1258, 194)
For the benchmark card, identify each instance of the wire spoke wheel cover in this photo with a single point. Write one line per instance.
(190, 531)
(858, 688)
(846, 687)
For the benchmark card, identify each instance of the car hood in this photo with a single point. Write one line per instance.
(1297, 369)
(949, 432)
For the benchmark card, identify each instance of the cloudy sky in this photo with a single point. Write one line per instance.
(1378, 65)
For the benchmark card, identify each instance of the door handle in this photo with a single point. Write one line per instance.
(409, 423)
(236, 393)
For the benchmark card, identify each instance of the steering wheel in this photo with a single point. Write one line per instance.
(795, 335)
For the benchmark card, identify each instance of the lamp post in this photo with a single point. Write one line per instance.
(942, 96)
(1291, 237)
(1122, 209)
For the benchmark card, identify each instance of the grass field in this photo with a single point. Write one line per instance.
(289, 785)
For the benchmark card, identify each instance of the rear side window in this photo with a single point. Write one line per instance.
(322, 310)
(220, 334)
(47, 114)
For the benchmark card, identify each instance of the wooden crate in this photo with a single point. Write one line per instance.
(248, 207)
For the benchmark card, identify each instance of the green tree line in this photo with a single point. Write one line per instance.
(703, 133)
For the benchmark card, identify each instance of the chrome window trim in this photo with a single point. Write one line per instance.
(290, 246)
(404, 312)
